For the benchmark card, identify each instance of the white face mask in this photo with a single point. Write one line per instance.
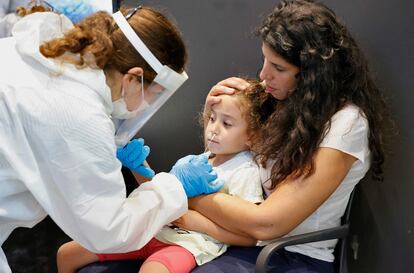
(120, 110)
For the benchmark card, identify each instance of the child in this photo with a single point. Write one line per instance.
(230, 127)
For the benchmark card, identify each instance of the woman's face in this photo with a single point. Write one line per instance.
(278, 75)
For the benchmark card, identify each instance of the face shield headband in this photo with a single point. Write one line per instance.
(166, 80)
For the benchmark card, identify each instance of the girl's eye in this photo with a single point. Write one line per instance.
(227, 124)
(212, 118)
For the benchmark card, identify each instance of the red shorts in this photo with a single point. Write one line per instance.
(175, 258)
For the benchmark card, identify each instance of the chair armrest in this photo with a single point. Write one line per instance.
(321, 235)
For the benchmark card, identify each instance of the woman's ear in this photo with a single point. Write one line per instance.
(132, 74)
(137, 71)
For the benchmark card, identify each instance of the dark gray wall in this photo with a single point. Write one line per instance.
(218, 34)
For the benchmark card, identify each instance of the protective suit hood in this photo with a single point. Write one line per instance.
(35, 29)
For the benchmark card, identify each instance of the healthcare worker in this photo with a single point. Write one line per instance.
(57, 154)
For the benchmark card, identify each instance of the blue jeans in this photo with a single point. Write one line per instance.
(236, 259)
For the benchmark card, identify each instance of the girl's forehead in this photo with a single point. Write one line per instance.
(230, 100)
(230, 105)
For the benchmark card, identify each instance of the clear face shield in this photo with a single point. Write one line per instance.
(153, 95)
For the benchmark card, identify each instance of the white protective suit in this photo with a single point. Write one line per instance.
(57, 151)
(8, 16)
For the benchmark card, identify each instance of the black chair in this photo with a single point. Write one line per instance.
(340, 233)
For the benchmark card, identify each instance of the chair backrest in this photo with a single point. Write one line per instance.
(347, 214)
(341, 258)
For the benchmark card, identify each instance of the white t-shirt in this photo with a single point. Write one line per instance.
(241, 178)
(348, 134)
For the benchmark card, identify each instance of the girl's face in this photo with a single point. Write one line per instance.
(228, 126)
(278, 75)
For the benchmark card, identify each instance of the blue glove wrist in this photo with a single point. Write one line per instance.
(133, 156)
(196, 175)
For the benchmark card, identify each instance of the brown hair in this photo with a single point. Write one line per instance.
(333, 73)
(256, 107)
(98, 42)
(22, 11)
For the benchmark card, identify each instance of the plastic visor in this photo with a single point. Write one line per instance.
(157, 93)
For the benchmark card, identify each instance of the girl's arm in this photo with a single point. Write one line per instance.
(290, 204)
(195, 221)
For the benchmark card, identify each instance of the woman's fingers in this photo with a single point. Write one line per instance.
(228, 86)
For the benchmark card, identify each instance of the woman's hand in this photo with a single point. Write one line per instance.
(193, 221)
(227, 86)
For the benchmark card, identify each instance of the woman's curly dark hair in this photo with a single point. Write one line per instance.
(333, 73)
(256, 107)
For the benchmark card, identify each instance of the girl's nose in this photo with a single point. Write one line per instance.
(213, 133)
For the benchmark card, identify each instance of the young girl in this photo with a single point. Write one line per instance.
(230, 128)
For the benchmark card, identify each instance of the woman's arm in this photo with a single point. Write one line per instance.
(290, 204)
(195, 221)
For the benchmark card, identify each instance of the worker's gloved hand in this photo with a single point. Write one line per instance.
(196, 175)
(133, 156)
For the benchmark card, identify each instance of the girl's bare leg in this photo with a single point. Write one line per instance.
(153, 267)
(72, 256)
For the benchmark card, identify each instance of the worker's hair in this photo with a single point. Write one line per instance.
(32, 8)
(96, 41)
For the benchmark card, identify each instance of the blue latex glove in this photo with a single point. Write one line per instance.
(75, 10)
(196, 175)
(133, 156)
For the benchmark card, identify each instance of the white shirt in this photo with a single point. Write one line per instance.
(348, 134)
(57, 152)
(241, 178)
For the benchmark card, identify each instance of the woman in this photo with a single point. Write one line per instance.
(324, 135)
(57, 157)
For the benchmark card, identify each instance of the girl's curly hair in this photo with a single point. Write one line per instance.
(256, 107)
(333, 73)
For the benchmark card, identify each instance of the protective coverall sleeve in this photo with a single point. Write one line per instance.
(83, 190)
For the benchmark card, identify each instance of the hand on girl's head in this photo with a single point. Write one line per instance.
(227, 86)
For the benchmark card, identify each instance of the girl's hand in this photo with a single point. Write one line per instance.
(227, 86)
(193, 221)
